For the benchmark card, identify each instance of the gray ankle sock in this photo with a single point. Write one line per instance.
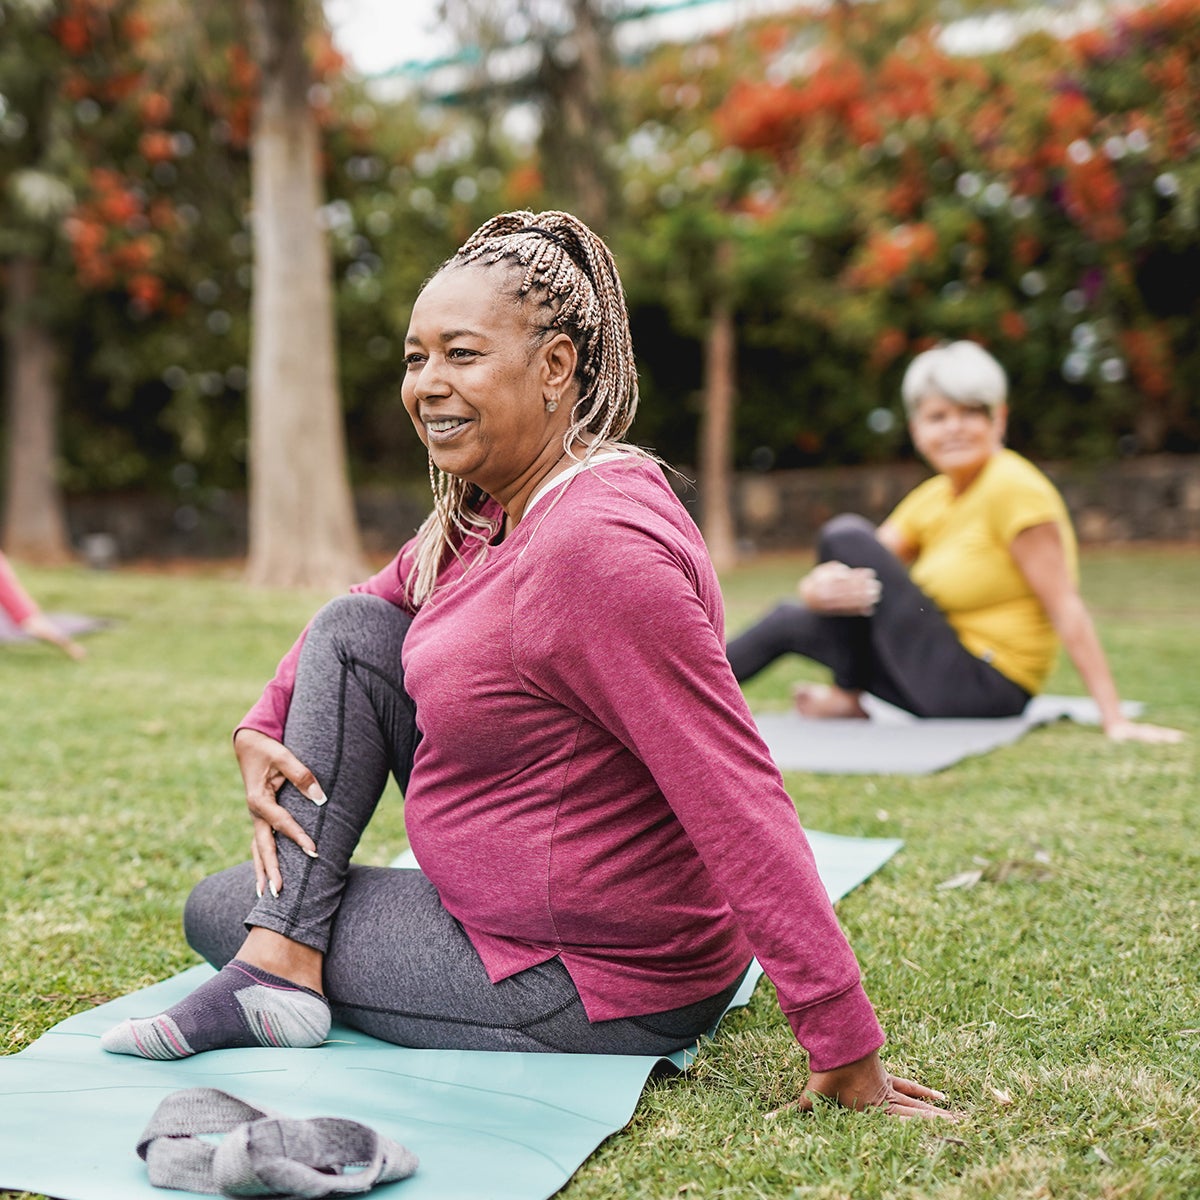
(241, 1005)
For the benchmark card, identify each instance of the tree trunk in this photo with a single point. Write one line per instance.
(303, 531)
(716, 433)
(577, 126)
(35, 525)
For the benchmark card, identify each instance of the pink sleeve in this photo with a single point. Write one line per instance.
(14, 599)
(269, 713)
(626, 629)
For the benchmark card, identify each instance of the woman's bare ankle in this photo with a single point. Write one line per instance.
(823, 701)
(284, 957)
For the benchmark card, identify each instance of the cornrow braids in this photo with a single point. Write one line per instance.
(569, 273)
(567, 269)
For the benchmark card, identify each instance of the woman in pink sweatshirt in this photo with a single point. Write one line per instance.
(604, 840)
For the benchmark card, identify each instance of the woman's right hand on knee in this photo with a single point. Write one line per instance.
(266, 766)
(834, 588)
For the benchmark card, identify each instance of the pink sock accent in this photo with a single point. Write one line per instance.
(279, 987)
(163, 1027)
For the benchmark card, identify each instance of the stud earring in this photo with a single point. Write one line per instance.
(552, 404)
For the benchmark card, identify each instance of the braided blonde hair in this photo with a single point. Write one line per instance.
(566, 274)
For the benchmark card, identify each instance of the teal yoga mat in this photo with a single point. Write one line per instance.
(501, 1126)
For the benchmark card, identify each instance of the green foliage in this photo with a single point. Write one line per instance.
(1056, 1007)
(867, 190)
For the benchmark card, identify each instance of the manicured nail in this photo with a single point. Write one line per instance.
(315, 794)
(312, 854)
(274, 890)
(258, 890)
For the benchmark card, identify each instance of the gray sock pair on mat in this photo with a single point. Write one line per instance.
(262, 1152)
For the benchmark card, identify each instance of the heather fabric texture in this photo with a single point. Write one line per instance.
(242, 1005)
(589, 784)
(263, 1153)
(14, 599)
(964, 561)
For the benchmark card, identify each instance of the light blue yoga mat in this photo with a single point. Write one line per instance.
(500, 1126)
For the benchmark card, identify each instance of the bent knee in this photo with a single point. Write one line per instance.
(844, 538)
(345, 619)
(352, 608)
(214, 913)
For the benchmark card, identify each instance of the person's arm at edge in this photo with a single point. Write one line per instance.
(1039, 555)
(25, 614)
(38, 625)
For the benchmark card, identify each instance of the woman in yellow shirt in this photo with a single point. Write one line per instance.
(956, 605)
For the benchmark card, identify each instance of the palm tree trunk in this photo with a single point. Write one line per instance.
(303, 531)
(35, 525)
(717, 428)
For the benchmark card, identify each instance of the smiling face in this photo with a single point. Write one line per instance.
(954, 439)
(477, 381)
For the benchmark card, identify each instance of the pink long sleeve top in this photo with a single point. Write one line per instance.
(14, 599)
(590, 783)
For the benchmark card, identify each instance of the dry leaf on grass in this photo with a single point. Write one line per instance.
(964, 879)
(1030, 870)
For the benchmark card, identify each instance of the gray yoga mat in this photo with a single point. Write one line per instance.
(893, 742)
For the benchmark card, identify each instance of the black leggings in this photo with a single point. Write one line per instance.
(397, 964)
(905, 652)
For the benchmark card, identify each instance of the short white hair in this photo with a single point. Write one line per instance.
(962, 372)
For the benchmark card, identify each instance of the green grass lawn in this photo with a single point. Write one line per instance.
(1058, 1005)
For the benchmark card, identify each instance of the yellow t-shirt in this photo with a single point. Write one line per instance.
(965, 567)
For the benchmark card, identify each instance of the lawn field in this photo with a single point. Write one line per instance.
(1057, 1001)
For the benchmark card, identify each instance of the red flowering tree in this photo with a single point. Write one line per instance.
(154, 110)
(1036, 199)
(108, 166)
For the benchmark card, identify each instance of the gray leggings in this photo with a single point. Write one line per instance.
(906, 652)
(397, 965)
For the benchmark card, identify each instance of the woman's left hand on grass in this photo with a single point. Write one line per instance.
(1124, 730)
(867, 1084)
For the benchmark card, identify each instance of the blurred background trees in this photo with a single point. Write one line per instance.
(797, 205)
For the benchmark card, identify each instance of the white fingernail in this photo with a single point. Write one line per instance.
(312, 854)
(274, 889)
(258, 890)
(317, 796)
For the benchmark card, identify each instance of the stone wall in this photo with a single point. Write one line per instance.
(1155, 498)
(120, 527)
